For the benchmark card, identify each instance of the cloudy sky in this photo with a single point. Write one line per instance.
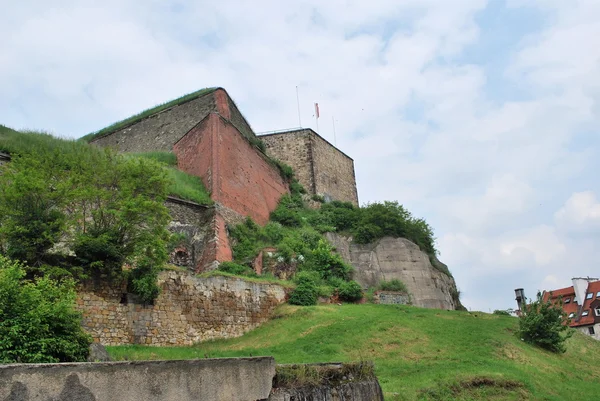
(481, 116)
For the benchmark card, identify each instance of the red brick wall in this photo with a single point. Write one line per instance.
(235, 172)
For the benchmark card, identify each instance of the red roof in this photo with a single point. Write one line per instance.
(573, 309)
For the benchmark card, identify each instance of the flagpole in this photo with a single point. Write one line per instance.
(334, 138)
(298, 101)
(317, 115)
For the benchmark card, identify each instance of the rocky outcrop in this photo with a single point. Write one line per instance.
(398, 258)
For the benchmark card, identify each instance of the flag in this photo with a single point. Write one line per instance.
(317, 110)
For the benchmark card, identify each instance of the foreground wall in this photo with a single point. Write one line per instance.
(197, 380)
(398, 258)
(227, 379)
(189, 309)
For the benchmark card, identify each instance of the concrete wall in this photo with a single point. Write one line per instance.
(189, 309)
(196, 380)
(319, 166)
(586, 330)
(398, 258)
(237, 174)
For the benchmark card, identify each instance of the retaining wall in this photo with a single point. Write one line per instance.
(247, 379)
(188, 310)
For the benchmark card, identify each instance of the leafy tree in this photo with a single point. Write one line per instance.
(38, 322)
(108, 209)
(545, 324)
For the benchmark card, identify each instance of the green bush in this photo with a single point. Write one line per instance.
(393, 285)
(501, 312)
(235, 268)
(307, 291)
(350, 291)
(327, 263)
(142, 281)
(38, 321)
(545, 324)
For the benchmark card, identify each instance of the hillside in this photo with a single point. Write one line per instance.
(420, 354)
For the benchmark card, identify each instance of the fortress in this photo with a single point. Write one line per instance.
(212, 140)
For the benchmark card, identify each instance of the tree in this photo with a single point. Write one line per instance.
(106, 208)
(545, 324)
(38, 322)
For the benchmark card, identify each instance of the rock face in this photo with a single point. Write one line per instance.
(398, 258)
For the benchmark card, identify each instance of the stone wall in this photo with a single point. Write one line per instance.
(333, 172)
(398, 258)
(293, 148)
(392, 298)
(4, 158)
(193, 221)
(319, 166)
(230, 379)
(160, 131)
(188, 310)
(235, 172)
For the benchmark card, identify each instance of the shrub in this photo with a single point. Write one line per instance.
(393, 285)
(545, 324)
(142, 281)
(235, 268)
(501, 312)
(327, 263)
(38, 321)
(307, 290)
(350, 291)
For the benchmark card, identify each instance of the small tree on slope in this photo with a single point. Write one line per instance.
(545, 324)
(38, 321)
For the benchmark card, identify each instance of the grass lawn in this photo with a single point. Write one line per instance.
(419, 354)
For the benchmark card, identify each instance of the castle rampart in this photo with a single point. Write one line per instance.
(319, 166)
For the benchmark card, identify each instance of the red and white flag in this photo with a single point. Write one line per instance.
(317, 110)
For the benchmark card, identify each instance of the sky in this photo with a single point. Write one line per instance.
(483, 117)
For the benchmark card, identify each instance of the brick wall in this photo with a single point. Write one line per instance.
(237, 174)
(319, 166)
(189, 309)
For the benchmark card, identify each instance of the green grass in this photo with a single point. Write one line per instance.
(167, 158)
(182, 185)
(263, 279)
(419, 354)
(140, 116)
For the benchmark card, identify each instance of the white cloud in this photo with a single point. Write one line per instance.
(411, 107)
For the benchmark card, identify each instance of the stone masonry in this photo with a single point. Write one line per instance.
(212, 140)
(319, 166)
(188, 310)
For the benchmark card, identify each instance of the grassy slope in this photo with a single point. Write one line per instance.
(140, 116)
(182, 185)
(418, 353)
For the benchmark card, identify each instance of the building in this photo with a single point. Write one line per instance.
(320, 167)
(581, 302)
(212, 140)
